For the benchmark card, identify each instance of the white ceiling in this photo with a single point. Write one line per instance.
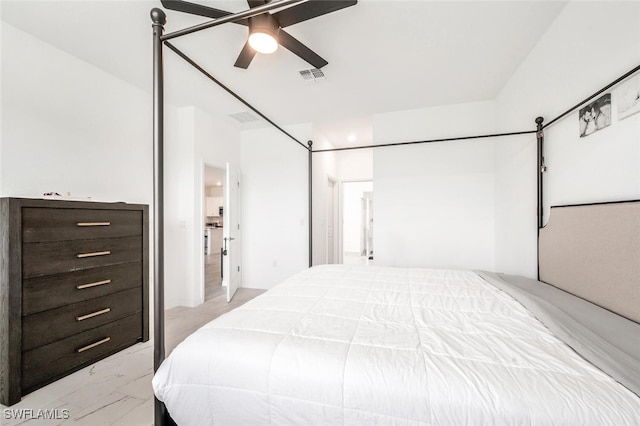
(384, 55)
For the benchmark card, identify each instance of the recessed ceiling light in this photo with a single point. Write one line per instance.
(218, 183)
(351, 137)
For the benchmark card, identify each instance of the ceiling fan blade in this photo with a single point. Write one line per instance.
(287, 41)
(246, 56)
(255, 3)
(197, 9)
(194, 9)
(310, 9)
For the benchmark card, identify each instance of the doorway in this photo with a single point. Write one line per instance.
(213, 229)
(357, 219)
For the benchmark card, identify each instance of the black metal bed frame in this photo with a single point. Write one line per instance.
(158, 18)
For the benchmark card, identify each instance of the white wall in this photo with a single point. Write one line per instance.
(78, 129)
(180, 287)
(434, 206)
(325, 166)
(200, 139)
(67, 126)
(70, 127)
(589, 45)
(355, 165)
(515, 205)
(604, 166)
(434, 203)
(274, 205)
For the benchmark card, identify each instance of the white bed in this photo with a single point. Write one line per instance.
(361, 345)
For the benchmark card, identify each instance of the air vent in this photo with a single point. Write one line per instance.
(244, 117)
(312, 74)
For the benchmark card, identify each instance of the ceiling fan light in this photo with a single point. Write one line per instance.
(263, 42)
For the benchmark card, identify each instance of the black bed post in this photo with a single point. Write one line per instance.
(310, 144)
(159, 19)
(541, 170)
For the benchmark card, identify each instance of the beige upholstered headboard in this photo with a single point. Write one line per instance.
(593, 252)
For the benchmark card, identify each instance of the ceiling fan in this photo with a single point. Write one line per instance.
(265, 30)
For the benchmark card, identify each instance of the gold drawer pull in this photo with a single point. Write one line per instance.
(93, 345)
(95, 284)
(95, 253)
(93, 224)
(93, 314)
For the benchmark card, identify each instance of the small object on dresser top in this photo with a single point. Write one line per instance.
(67, 197)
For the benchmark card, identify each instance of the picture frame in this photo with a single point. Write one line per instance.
(595, 116)
(628, 97)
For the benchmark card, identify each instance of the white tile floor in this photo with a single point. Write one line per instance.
(116, 390)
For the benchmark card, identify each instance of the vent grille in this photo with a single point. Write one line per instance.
(312, 74)
(244, 117)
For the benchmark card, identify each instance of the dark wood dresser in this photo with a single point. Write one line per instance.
(74, 287)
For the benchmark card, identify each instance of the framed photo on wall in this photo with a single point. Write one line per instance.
(628, 97)
(595, 116)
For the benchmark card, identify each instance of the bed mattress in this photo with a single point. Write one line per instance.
(364, 345)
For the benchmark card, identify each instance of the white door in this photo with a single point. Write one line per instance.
(231, 233)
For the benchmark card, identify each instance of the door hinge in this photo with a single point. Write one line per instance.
(238, 269)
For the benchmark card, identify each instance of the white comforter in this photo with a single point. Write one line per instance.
(359, 345)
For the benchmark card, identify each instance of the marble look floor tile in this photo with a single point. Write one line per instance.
(134, 365)
(107, 410)
(139, 387)
(51, 393)
(142, 415)
(140, 347)
(86, 396)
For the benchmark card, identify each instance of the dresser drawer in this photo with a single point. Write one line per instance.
(48, 326)
(51, 291)
(47, 363)
(58, 257)
(59, 224)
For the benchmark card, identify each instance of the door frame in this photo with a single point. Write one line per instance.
(235, 259)
(199, 228)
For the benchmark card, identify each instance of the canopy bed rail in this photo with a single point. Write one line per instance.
(459, 138)
(159, 39)
(231, 92)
